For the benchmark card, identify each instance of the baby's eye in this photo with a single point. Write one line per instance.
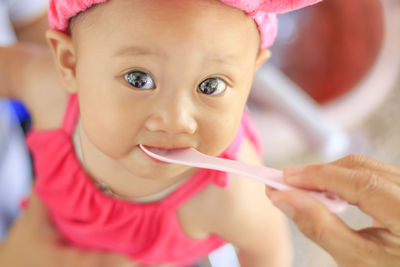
(212, 86)
(140, 80)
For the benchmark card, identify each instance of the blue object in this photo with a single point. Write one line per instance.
(20, 110)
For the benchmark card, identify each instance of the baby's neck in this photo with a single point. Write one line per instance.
(114, 180)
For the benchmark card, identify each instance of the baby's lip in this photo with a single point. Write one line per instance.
(161, 150)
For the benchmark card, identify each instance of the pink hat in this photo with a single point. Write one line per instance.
(262, 11)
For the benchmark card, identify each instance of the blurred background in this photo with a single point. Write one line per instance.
(20, 21)
(332, 87)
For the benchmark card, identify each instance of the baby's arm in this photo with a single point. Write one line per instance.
(10, 62)
(245, 217)
(27, 73)
(32, 30)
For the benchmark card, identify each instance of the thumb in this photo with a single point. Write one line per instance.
(39, 218)
(318, 223)
(74, 257)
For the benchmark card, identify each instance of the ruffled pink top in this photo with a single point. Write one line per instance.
(149, 233)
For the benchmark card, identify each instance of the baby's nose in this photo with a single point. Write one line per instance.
(173, 117)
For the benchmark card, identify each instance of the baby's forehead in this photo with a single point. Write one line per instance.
(191, 10)
(154, 21)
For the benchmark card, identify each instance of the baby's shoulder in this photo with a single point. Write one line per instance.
(235, 199)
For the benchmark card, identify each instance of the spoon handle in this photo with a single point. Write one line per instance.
(269, 176)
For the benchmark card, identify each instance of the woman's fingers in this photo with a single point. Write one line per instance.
(383, 238)
(373, 194)
(388, 244)
(323, 227)
(359, 162)
(371, 185)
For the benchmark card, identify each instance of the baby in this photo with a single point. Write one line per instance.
(167, 74)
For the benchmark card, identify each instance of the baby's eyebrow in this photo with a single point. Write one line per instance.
(135, 51)
(221, 59)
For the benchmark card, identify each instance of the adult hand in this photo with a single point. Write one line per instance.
(371, 185)
(33, 242)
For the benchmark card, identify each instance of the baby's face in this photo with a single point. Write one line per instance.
(165, 74)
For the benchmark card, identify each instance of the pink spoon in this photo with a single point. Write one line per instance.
(268, 176)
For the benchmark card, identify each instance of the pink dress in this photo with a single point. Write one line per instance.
(149, 233)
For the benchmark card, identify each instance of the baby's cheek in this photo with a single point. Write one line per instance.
(219, 137)
(109, 139)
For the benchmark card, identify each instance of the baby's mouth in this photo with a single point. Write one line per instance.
(159, 151)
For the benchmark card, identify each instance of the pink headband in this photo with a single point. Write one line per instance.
(262, 11)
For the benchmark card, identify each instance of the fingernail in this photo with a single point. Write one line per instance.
(293, 170)
(291, 173)
(269, 191)
(284, 207)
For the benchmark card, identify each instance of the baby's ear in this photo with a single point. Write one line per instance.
(64, 57)
(262, 57)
